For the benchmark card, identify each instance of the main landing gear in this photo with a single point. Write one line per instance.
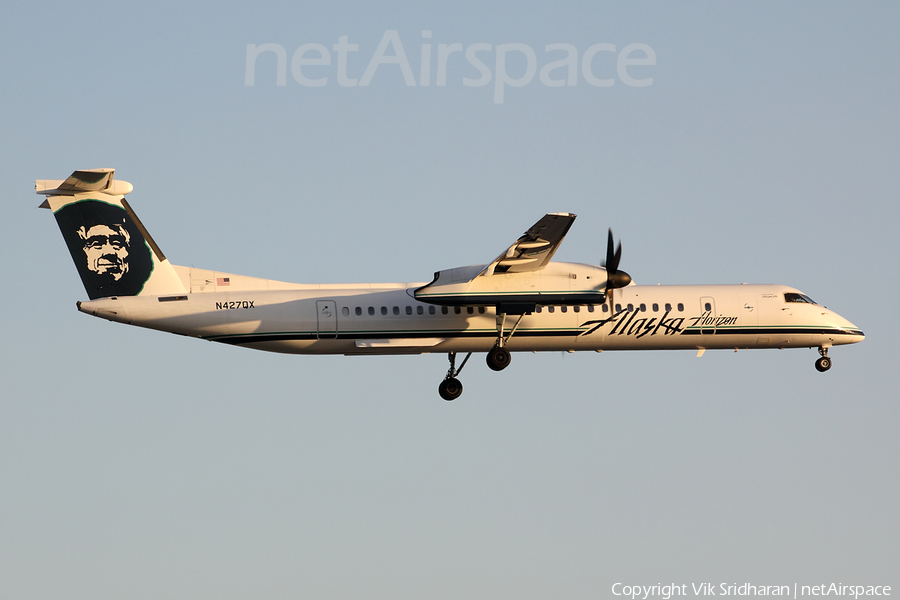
(823, 363)
(451, 388)
(498, 358)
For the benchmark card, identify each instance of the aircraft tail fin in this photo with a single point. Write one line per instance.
(112, 250)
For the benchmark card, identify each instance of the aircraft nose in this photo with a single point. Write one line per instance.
(850, 333)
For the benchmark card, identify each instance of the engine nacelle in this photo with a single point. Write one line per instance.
(557, 283)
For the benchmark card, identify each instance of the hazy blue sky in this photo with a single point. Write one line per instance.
(136, 464)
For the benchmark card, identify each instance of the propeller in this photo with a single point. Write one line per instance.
(614, 277)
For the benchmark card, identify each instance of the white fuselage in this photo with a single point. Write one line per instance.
(388, 319)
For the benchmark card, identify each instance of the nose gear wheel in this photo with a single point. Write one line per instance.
(823, 363)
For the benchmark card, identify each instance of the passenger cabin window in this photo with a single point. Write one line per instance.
(371, 310)
(680, 307)
(358, 311)
(345, 311)
(655, 307)
(707, 306)
(795, 297)
(457, 309)
(643, 307)
(420, 310)
(604, 307)
(563, 308)
(444, 310)
(480, 310)
(384, 310)
(630, 307)
(668, 307)
(431, 310)
(396, 310)
(409, 310)
(591, 307)
(576, 308)
(618, 308)
(551, 308)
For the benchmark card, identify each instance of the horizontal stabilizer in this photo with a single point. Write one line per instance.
(87, 180)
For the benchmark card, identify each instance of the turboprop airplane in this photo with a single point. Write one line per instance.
(520, 301)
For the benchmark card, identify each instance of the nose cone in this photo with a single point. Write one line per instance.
(844, 331)
(856, 333)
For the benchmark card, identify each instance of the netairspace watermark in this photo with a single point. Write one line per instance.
(670, 590)
(311, 64)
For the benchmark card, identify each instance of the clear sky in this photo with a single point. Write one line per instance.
(136, 464)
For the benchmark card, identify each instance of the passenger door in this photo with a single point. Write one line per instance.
(326, 319)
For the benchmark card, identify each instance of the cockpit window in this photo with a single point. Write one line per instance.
(795, 297)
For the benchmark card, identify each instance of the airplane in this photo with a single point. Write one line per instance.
(520, 301)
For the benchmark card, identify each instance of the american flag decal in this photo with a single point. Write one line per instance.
(223, 281)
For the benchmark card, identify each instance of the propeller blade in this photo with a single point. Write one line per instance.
(614, 277)
(609, 251)
(612, 258)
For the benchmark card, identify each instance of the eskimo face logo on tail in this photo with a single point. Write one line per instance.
(108, 249)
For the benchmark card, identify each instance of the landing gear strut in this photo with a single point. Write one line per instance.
(451, 388)
(498, 358)
(823, 363)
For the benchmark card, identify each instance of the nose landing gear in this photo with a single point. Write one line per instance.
(823, 363)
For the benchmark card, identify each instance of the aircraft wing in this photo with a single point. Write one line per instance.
(522, 277)
(535, 248)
